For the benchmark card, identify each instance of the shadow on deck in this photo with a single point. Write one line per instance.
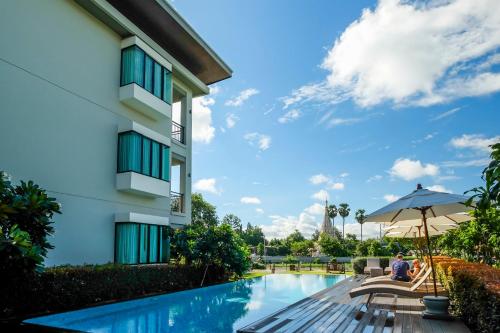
(333, 310)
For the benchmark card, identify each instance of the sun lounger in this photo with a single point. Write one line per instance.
(371, 263)
(415, 291)
(387, 279)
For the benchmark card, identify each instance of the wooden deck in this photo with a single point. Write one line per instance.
(332, 310)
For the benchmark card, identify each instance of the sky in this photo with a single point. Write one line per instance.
(354, 101)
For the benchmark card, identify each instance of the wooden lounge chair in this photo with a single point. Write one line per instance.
(414, 291)
(371, 263)
(386, 279)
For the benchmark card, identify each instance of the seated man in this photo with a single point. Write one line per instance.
(400, 269)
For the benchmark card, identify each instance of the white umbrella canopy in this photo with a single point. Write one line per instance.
(417, 231)
(421, 204)
(447, 219)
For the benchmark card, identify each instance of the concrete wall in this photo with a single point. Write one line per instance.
(59, 114)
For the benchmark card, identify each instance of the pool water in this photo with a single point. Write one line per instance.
(221, 308)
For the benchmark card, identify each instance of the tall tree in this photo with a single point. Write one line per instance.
(332, 213)
(361, 218)
(315, 235)
(202, 213)
(344, 211)
(234, 221)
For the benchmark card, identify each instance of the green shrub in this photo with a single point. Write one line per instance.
(70, 287)
(384, 262)
(358, 265)
(258, 265)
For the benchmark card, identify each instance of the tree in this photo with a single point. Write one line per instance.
(302, 248)
(332, 213)
(260, 249)
(344, 211)
(361, 218)
(234, 221)
(253, 235)
(315, 235)
(202, 212)
(295, 236)
(330, 246)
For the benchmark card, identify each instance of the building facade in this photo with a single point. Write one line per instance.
(95, 107)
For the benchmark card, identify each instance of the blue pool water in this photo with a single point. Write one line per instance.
(221, 308)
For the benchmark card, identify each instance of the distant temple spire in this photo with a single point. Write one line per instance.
(326, 227)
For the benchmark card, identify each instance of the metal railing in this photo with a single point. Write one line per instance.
(178, 132)
(176, 202)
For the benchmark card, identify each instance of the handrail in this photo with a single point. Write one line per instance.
(178, 132)
(176, 202)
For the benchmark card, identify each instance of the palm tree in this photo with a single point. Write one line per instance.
(361, 218)
(332, 213)
(344, 211)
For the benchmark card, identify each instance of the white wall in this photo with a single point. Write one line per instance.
(59, 114)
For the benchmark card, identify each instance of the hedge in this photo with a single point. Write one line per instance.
(66, 288)
(474, 291)
(359, 263)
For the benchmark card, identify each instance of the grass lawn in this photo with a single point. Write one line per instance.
(258, 273)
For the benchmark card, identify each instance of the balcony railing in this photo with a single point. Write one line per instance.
(176, 202)
(178, 132)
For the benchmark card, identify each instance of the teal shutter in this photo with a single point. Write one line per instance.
(165, 163)
(155, 160)
(127, 74)
(129, 152)
(167, 86)
(126, 243)
(153, 243)
(157, 80)
(143, 247)
(148, 75)
(164, 244)
(146, 156)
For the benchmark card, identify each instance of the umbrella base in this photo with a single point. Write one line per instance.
(436, 308)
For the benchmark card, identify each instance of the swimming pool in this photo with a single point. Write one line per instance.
(221, 308)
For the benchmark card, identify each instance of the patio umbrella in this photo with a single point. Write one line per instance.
(421, 204)
(413, 228)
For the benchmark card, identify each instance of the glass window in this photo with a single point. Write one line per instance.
(143, 246)
(165, 165)
(129, 152)
(164, 244)
(153, 243)
(146, 156)
(148, 74)
(167, 86)
(141, 69)
(155, 160)
(126, 243)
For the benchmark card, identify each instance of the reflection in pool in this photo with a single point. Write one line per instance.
(221, 308)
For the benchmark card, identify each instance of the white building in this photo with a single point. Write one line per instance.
(95, 107)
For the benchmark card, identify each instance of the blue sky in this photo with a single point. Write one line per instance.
(360, 100)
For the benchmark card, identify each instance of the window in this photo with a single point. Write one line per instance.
(137, 153)
(138, 243)
(141, 69)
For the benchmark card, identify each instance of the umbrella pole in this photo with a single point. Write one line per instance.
(423, 210)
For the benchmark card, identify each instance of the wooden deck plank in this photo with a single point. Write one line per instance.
(332, 310)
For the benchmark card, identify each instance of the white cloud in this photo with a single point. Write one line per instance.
(203, 131)
(321, 195)
(319, 179)
(374, 178)
(446, 114)
(344, 175)
(343, 121)
(476, 142)
(409, 170)
(370, 230)
(411, 53)
(315, 209)
(439, 188)
(464, 164)
(231, 120)
(336, 186)
(208, 185)
(290, 116)
(391, 197)
(282, 226)
(261, 140)
(250, 200)
(242, 97)
(259, 210)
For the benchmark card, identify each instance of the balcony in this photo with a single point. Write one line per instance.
(178, 132)
(176, 202)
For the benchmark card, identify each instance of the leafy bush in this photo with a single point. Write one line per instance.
(70, 287)
(258, 265)
(358, 265)
(474, 291)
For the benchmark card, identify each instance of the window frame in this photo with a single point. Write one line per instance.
(141, 154)
(163, 97)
